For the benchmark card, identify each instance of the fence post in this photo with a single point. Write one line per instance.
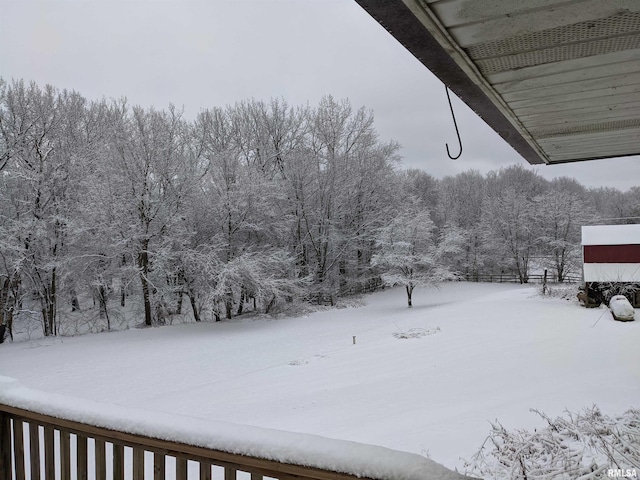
(5, 445)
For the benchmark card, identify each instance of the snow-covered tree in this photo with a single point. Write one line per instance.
(336, 188)
(460, 205)
(150, 180)
(408, 254)
(509, 218)
(46, 139)
(559, 216)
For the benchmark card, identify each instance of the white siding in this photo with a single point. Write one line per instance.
(611, 235)
(612, 272)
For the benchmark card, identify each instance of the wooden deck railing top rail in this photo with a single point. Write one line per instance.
(16, 421)
(40, 446)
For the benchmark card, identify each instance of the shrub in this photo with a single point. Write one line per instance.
(578, 446)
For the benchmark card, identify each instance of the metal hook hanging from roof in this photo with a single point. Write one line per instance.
(453, 115)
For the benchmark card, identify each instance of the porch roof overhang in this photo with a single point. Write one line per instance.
(558, 80)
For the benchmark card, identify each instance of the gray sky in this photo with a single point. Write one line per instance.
(201, 54)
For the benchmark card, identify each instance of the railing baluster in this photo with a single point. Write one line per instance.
(138, 463)
(101, 461)
(230, 473)
(18, 448)
(205, 471)
(81, 457)
(65, 455)
(181, 468)
(34, 450)
(49, 454)
(118, 462)
(158, 466)
(5, 445)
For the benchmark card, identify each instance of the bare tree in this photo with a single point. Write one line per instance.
(559, 216)
(150, 181)
(47, 144)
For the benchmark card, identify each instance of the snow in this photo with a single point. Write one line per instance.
(621, 307)
(494, 352)
(294, 448)
(611, 234)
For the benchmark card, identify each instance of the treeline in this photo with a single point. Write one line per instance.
(251, 206)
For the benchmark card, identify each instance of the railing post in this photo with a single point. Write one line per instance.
(65, 454)
(138, 463)
(118, 461)
(18, 448)
(181, 468)
(205, 471)
(81, 457)
(158, 466)
(5, 445)
(100, 459)
(34, 450)
(49, 453)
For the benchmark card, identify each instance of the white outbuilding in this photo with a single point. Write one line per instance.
(611, 256)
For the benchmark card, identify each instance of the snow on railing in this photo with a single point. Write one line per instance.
(41, 434)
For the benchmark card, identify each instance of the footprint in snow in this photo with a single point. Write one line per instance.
(295, 363)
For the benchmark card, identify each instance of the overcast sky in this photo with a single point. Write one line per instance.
(201, 54)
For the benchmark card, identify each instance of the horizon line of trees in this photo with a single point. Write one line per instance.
(250, 206)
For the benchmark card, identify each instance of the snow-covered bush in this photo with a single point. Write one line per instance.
(581, 446)
(561, 290)
(610, 290)
(621, 308)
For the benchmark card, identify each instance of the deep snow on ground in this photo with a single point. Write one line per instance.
(475, 353)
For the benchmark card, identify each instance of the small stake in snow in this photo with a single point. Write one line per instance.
(354, 339)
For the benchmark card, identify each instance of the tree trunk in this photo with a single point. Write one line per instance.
(409, 294)
(179, 303)
(123, 292)
(13, 301)
(522, 270)
(241, 303)
(4, 300)
(102, 301)
(47, 296)
(52, 304)
(228, 304)
(560, 270)
(143, 265)
(271, 304)
(75, 304)
(194, 306)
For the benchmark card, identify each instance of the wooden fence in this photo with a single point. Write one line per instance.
(513, 278)
(33, 446)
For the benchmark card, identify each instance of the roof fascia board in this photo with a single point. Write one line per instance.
(422, 34)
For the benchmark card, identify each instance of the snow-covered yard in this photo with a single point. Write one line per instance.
(426, 380)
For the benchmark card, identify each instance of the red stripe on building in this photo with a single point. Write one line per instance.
(611, 253)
